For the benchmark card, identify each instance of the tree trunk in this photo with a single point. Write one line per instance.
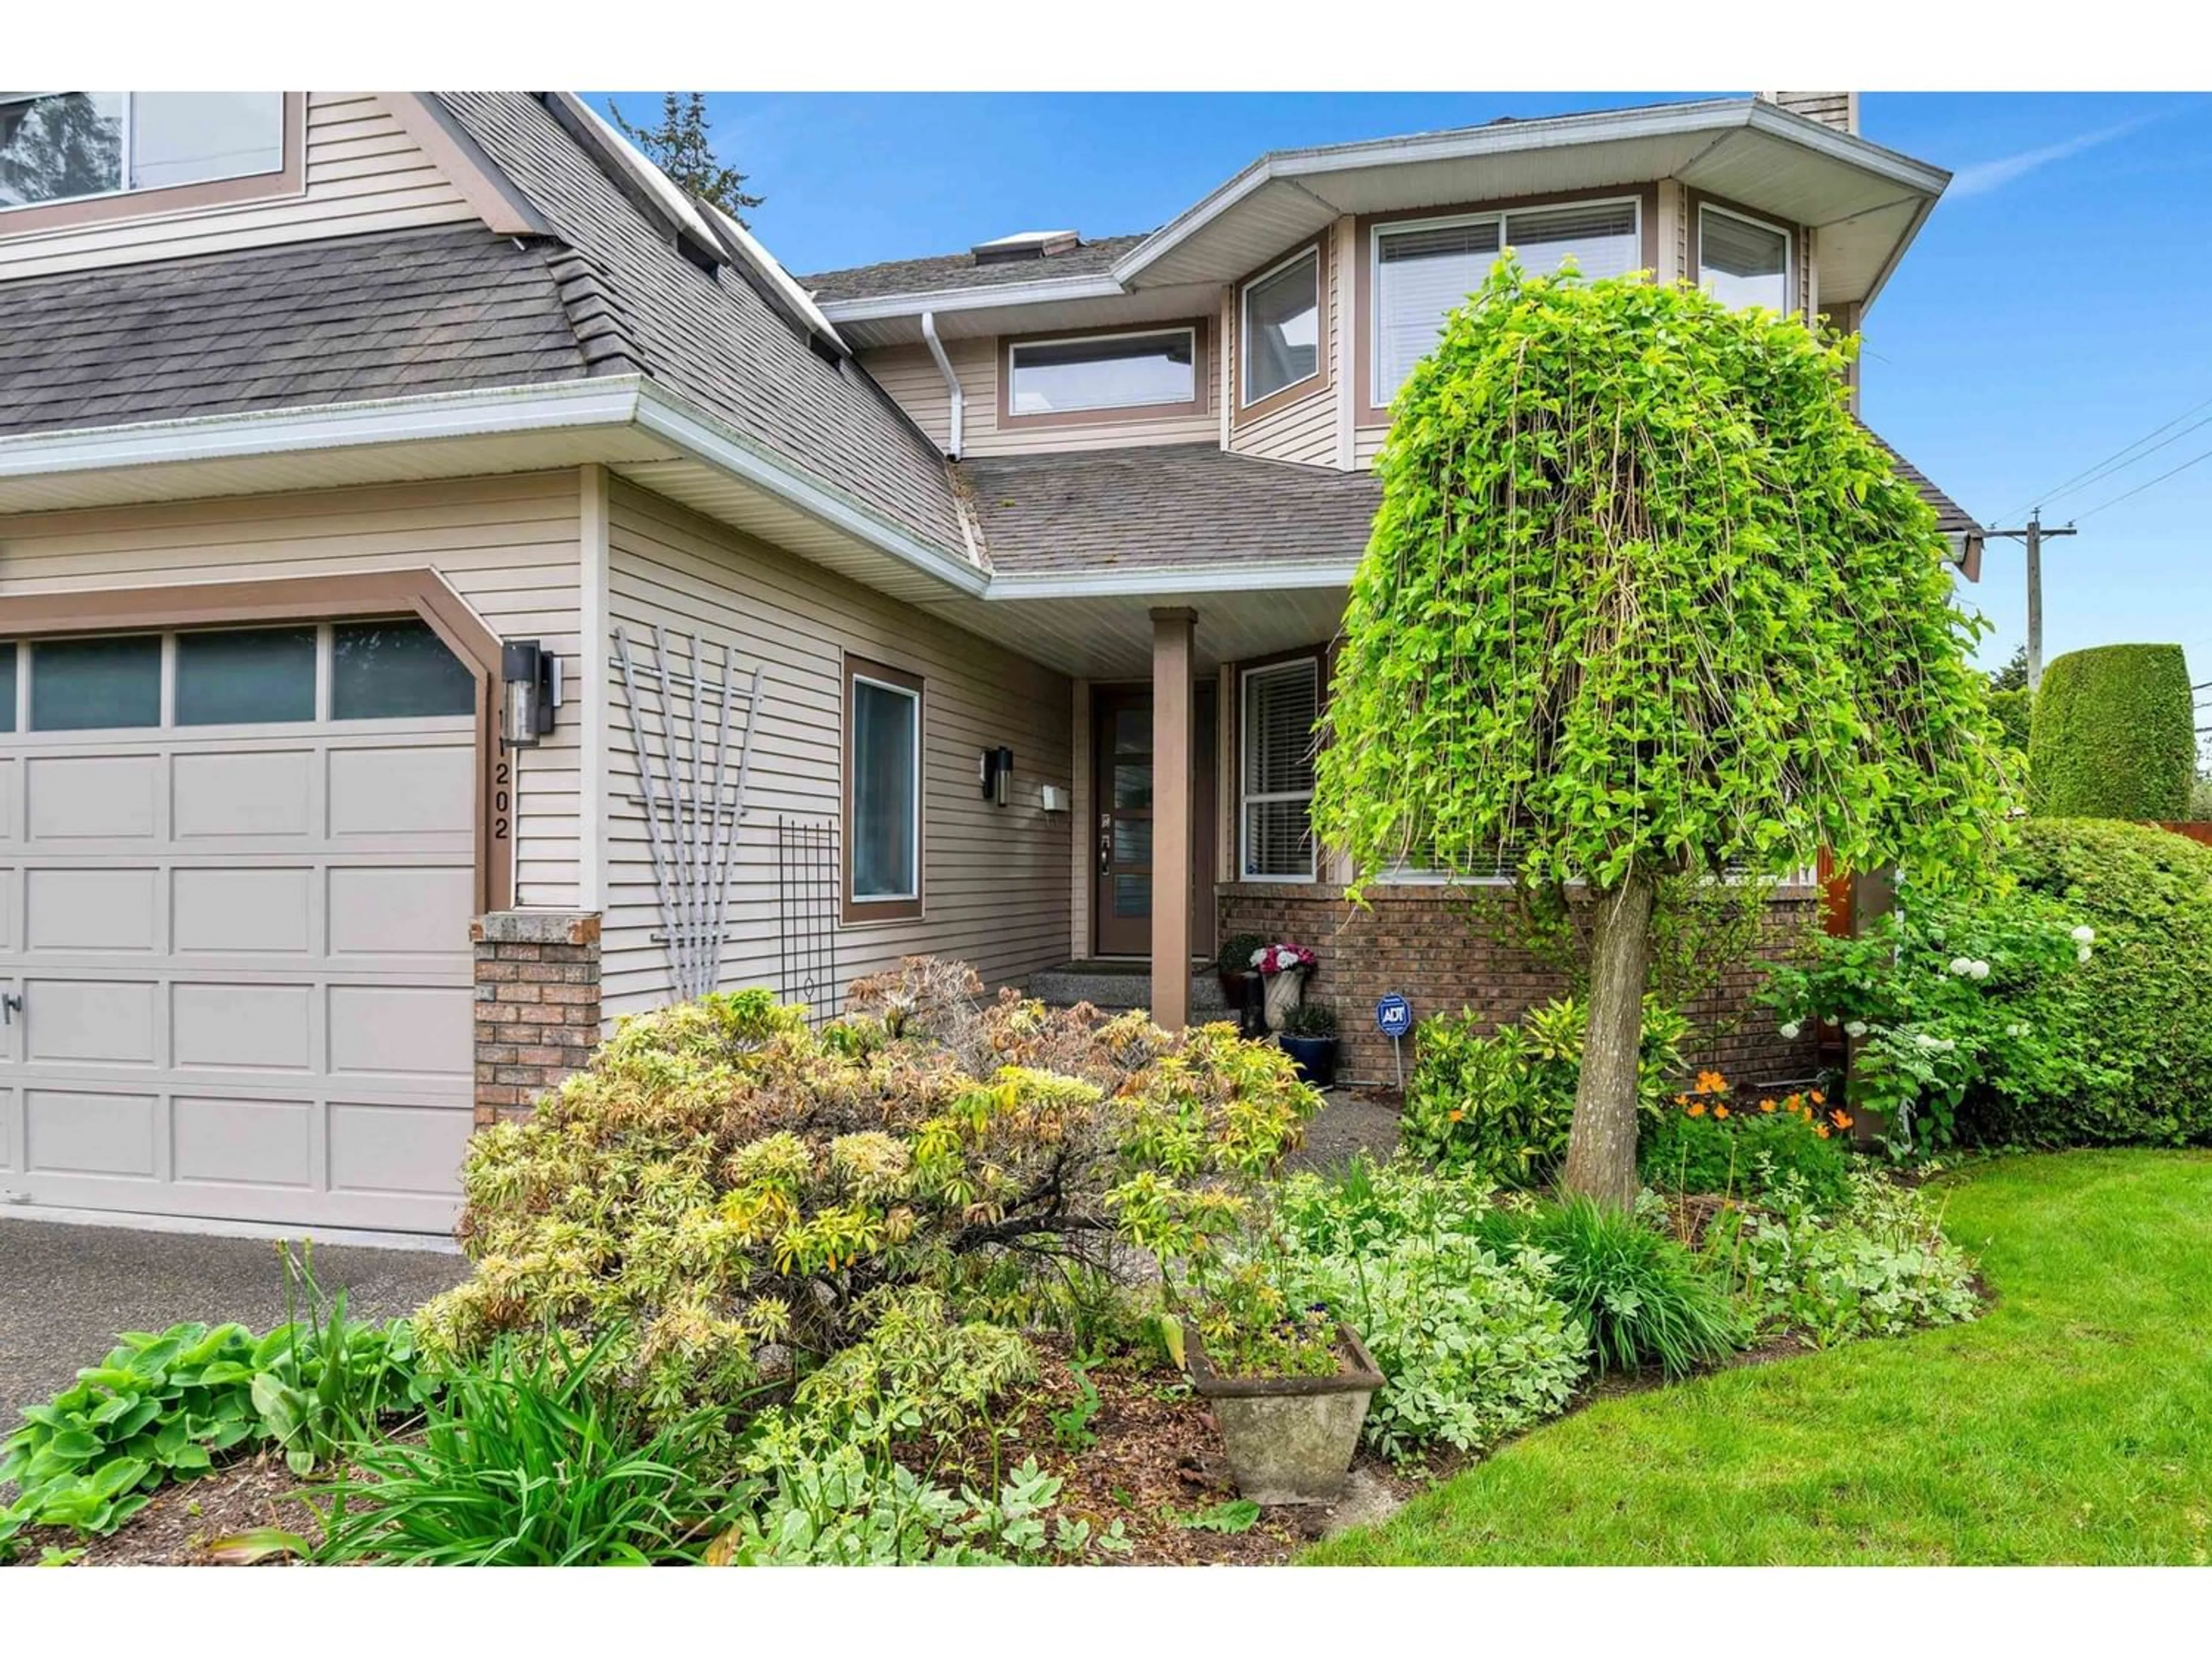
(1601, 1149)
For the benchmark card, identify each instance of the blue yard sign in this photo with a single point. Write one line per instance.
(1394, 1016)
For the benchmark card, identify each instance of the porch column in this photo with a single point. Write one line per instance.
(1171, 807)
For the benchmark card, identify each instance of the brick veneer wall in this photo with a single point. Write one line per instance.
(537, 1006)
(1424, 942)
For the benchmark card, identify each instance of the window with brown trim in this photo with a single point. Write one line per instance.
(1125, 374)
(1280, 343)
(1742, 261)
(79, 157)
(883, 792)
(1279, 702)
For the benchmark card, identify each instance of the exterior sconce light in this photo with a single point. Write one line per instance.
(530, 693)
(995, 768)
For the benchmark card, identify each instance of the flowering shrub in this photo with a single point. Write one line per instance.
(1272, 959)
(1500, 1105)
(1709, 1144)
(1878, 1265)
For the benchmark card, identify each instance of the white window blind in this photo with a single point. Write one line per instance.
(1423, 272)
(1115, 371)
(1281, 704)
(1741, 262)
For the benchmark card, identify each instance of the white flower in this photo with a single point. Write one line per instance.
(2085, 934)
(1978, 970)
(1857, 1028)
(1922, 1040)
(1789, 1031)
(1962, 966)
(2082, 954)
(2016, 1030)
(1260, 955)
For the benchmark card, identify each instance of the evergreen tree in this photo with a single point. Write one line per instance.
(682, 146)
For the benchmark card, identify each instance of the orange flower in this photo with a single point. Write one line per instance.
(1821, 1130)
(1711, 1082)
(1456, 1114)
(1819, 1099)
(1840, 1118)
(1767, 1103)
(1681, 1100)
(1697, 1109)
(1720, 1111)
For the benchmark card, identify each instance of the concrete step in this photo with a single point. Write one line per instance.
(1118, 986)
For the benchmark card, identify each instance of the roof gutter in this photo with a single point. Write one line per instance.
(951, 380)
(1274, 575)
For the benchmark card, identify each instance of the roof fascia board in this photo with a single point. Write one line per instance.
(1096, 286)
(1896, 256)
(1272, 576)
(610, 400)
(497, 201)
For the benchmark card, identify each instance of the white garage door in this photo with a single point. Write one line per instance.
(236, 873)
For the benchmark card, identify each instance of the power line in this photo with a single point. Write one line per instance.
(2098, 466)
(2108, 472)
(2139, 489)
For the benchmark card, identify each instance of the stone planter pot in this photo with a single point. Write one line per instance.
(1315, 1057)
(1290, 1439)
(1285, 992)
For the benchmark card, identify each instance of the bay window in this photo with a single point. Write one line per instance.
(883, 792)
(59, 147)
(1741, 261)
(1424, 270)
(1155, 369)
(1282, 327)
(1281, 703)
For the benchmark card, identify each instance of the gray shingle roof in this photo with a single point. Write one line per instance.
(952, 270)
(713, 337)
(1951, 518)
(1172, 505)
(305, 323)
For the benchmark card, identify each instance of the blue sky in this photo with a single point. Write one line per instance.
(2056, 308)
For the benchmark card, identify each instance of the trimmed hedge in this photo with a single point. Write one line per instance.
(2113, 735)
(2140, 1005)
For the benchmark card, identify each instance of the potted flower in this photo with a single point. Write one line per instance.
(1288, 1388)
(1309, 1037)
(1233, 968)
(1283, 968)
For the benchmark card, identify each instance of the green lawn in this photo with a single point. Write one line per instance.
(2072, 1423)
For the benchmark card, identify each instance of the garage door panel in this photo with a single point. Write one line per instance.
(402, 1031)
(107, 798)
(77, 1132)
(243, 1027)
(11, 1133)
(216, 795)
(401, 791)
(90, 909)
(380, 1148)
(259, 911)
(11, 789)
(396, 910)
(222, 1141)
(106, 1022)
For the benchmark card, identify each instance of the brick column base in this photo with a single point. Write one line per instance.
(537, 1005)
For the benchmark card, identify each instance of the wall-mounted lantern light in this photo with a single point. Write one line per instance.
(995, 769)
(530, 693)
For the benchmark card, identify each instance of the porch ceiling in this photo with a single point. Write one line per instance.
(1110, 636)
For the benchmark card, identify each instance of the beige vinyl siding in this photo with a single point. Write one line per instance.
(1673, 216)
(1305, 431)
(909, 374)
(363, 173)
(1081, 875)
(508, 546)
(994, 878)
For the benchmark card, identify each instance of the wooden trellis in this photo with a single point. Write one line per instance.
(693, 801)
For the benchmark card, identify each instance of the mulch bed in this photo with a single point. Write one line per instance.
(180, 1521)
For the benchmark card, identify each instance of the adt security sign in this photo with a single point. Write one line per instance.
(1394, 1018)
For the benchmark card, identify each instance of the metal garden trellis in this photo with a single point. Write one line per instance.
(693, 807)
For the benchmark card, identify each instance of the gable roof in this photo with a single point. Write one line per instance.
(449, 309)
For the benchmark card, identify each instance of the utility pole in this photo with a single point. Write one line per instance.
(2032, 533)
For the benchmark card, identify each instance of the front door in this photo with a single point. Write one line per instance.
(1122, 852)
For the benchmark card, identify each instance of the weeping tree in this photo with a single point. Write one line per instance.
(1643, 600)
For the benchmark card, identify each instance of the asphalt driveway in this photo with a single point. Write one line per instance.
(65, 1291)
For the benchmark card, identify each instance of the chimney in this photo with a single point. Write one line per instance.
(1839, 110)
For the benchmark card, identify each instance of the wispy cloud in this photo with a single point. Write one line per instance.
(1985, 176)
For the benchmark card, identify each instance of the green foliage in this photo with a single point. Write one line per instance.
(1236, 953)
(920, 1373)
(1472, 1347)
(2015, 712)
(529, 1458)
(1237, 1515)
(1644, 1298)
(1251, 1328)
(2013, 675)
(682, 146)
(2200, 801)
(722, 1179)
(322, 1381)
(1071, 1424)
(1310, 1019)
(1706, 1145)
(2114, 735)
(1500, 1106)
(1876, 1265)
(1642, 594)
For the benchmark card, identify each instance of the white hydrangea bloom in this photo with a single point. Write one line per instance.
(2085, 934)
(1857, 1028)
(2083, 954)
(1791, 1030)
(1962, 966)
(1978, 970)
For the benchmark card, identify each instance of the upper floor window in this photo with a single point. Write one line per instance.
(58, 147)
(1156, 369)
(1741, 261)
(1424, 270)
(1282, 326)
